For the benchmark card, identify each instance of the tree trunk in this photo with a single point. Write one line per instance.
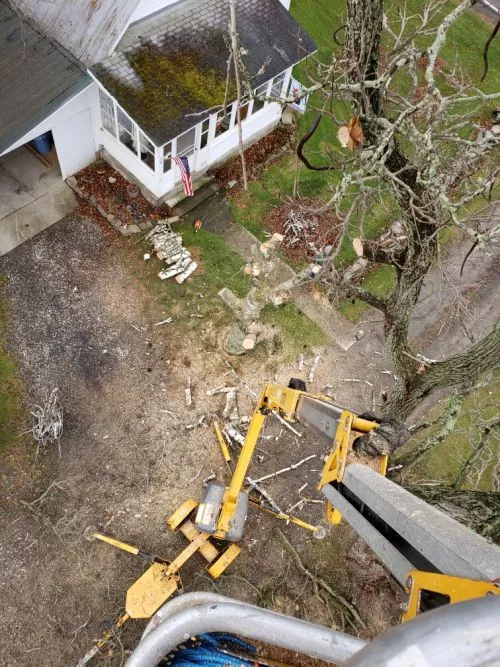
(460, 370)
(478, 510)
(235, 49)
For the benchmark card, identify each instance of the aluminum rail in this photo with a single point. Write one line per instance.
(466, 634)
(245, 620)
(182, 602)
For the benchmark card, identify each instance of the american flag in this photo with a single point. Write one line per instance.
(183, 164)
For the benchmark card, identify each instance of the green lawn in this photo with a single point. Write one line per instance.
(220, 266)
(11, 409)
(320, 18)
(444, 461)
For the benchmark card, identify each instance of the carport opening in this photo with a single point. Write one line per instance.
(27, 173)
(44, 149)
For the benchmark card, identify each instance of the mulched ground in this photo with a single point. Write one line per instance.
(321, 228)
(85, 211)
(118, 196)
(261, 154)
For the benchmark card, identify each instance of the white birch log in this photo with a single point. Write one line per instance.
(187, 391)
(313, 368)
(169, 273)
(222, 389)
(186, 273)
(249, 341)
(301, 362)
(233, 433)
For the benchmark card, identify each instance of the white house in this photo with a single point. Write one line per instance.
(141, 81)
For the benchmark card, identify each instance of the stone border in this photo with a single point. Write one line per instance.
(126, 230)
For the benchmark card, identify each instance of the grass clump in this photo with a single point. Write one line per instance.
(11, 391)
(299, 333)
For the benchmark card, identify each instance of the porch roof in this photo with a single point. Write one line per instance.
(174, 63)
(36, 76)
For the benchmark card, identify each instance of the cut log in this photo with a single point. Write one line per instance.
(186, 273)
(249, 341)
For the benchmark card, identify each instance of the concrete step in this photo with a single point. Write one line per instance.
(35, 217)
(187, 204)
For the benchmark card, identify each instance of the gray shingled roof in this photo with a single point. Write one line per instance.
(196, 31)
(36, 76)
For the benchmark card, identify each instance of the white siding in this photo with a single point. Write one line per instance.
(72, 131)
(205, 144)
(74, 142)
(147, 7)
(285, 3)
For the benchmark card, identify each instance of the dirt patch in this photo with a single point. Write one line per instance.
(258, 156)
(117, 196)
(306, 225)
(83, 321)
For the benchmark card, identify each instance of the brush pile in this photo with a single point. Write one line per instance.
(167, 245)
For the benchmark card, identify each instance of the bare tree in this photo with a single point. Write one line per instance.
(237, 58)
(422, 150)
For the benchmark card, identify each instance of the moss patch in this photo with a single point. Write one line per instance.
(173, 85)
(444, 461)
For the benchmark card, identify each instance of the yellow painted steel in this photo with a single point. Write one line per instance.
(222, 443)
(287, 517)
(116, 543)
(335, 463)
(186, 553)
(333, 470)
(284, 401)
(224, 561)
(238, 479)
(273, 397)
(148, 593)
(175, 520)
(207, 550)
(458, 589)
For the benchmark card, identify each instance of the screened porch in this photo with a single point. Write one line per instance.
(212, 139)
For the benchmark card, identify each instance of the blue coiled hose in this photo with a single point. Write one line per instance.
(207, 650)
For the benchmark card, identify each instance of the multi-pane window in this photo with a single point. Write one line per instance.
(146, 151)
(107, 112)
(244, 111)
(277, 86)
(167, 157)
(126, 130)
(186, 142)
(205, 126)
(223, 121)
(260, 94)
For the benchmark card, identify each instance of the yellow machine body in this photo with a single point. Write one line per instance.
(457, 589)
(340, 427)
(285, 402)
(148, 593)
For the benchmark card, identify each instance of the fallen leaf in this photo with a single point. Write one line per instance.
(351, 135)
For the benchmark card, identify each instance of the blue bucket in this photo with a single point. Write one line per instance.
(43, 143)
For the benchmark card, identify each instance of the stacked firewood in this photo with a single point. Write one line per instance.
(167, 245)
